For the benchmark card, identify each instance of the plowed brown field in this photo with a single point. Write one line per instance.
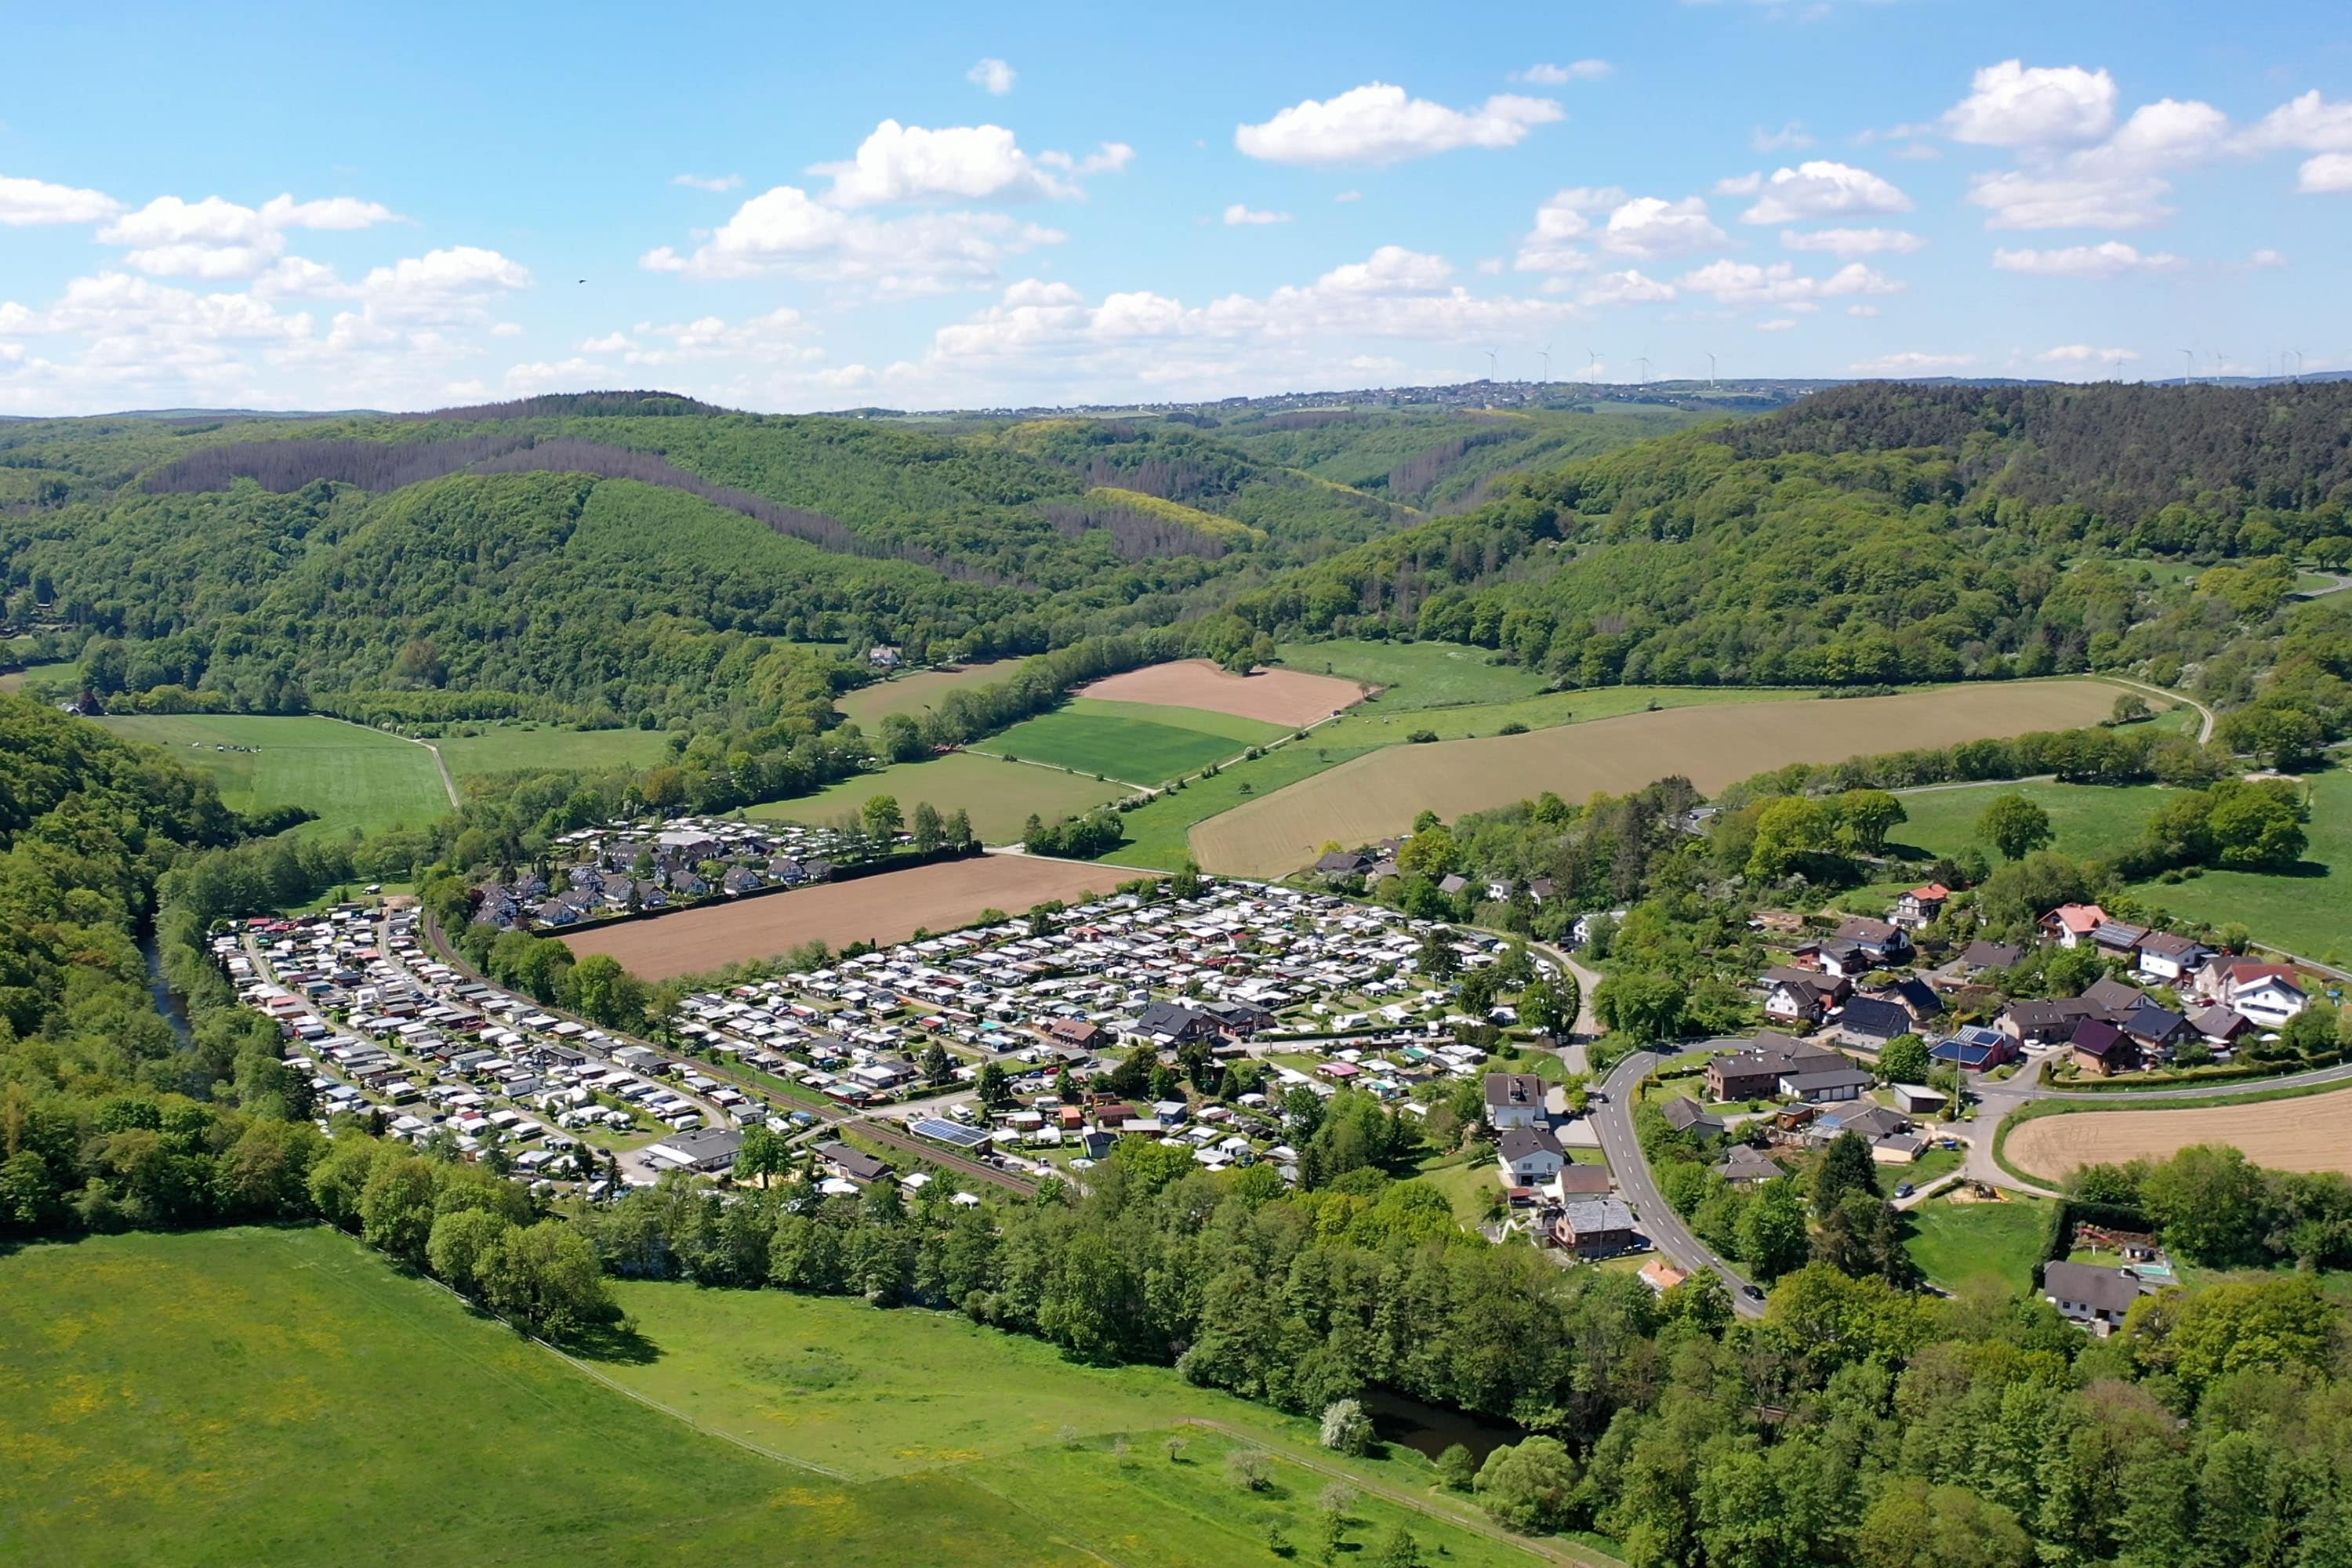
(2306, 1134)
(884, 909)
(1277, 696)
(1379, 794)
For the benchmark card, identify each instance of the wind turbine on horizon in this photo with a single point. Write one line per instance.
(1490, 361)
(1593, 374)
(1544, 352)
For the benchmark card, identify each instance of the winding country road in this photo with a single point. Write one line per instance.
(1614, 1121)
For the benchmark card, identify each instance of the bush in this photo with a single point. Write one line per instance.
(1345, 1429)
(1530, 1485)
(1421, 737)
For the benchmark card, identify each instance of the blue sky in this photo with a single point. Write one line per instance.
(316, 207)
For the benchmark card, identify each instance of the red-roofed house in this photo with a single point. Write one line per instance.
(1921, 905)
(2070, 925)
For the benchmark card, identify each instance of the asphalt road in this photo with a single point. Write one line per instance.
(1614, 1121)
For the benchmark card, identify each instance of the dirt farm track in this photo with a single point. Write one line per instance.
(2304, 1134)
(884, 909)
(1379, 794)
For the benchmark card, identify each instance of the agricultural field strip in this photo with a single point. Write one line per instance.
(1363, 800)
(2304, 1133)
(351, 776)
(1289, 699)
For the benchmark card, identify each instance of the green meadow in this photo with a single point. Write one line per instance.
(999, 796)
(1963, 1245)
(1139, 744)
(350, 775)
(286, 1396)
(510, 748)
(2307, 912)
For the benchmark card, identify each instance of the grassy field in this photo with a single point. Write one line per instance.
(1380, 792)
(2304, 913)
(1141, 743)
(999, 796)
(15, 679)
(869, 705)
(1415, 674)
(2090, 820)
(278, 1395)
(1961, 1244)
(508, 747)
(351, 776)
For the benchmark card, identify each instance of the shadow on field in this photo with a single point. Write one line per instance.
(619, 1342)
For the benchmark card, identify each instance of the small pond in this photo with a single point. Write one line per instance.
(1430, 1429)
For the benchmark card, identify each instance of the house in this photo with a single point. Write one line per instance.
(2102, 1049)
(2112, 996)
(2156, 1029)
(1899, 1149)
(1583, 1182)
(1514, 1099)
(1873, 1020)
(1975, 1049)
(1880, 941)
(2070, 925)
(1920, 905)
(2035, 1023)
(2219, 1027)
(2095, 1297)
(1981, 955)
(1529, 1156)
(852, 1164)
(1661, 1276)
(1915, 997)
(1452, 883)
(1746, 1164)
(1541, 888)
(2171, 959)
(1595, 1228)
(1755, 1073)
(1075, 1032)
(1869, 1121)
(1685, 1114)
(706, 1149)
(883, 658)
(1802, 1001)
(1340, 864)
(2266, 993)
(1175, 1024)
(1826, 1086)
(2119, 939)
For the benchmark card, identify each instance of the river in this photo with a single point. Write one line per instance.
(166, 1002)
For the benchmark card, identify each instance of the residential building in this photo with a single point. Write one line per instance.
(1595, 1228)
(1514, 1099)
(1529, 1156)
(2095, 1297)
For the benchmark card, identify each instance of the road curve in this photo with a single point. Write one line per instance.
(1614, 1121)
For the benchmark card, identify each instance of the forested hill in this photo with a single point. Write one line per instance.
(1888, 534)
(607, 556)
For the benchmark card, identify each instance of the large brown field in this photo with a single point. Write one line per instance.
(2304, 1134)
(1380, 792)
(1277, 696)
(885, 909)
(915, 693)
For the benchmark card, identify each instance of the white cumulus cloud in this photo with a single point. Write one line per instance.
(991, 75)
(2013, 105)
(1852, 242)
(1627, 287)
(2111, 259)
(1778, 283)
(1239, 214)
(1560, 76)
(2024, 199)
(2084, 354)
(1650, 227)
(787, 231)
(909, 164)
(1820, 188)
(2325, 173)
(24, 202)
(713, 182)
(1380, 123)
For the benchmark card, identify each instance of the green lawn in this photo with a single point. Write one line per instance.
(1960, 1245)
(505, 748)
(1471, 1189)
(1139, 744)
(261, 1395)
(351, 775)
(15, 679)
(2304, 913)
(999, 796)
